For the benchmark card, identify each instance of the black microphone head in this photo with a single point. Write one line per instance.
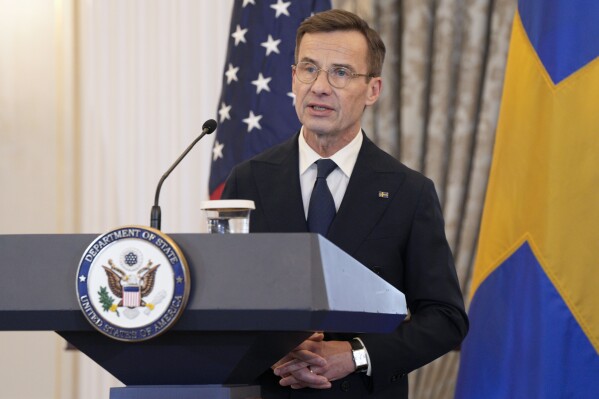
(209, 126)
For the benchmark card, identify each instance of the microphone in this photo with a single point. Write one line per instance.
(155, 217)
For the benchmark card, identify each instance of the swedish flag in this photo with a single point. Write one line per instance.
(535, 290)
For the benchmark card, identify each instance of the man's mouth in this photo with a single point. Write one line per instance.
(319, 107)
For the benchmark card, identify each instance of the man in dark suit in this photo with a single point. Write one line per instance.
(385, 215)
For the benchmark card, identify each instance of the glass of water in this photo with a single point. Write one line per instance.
(228, 216)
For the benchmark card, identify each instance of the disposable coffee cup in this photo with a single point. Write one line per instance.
(228, 216)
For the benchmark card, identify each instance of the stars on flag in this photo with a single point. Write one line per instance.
(253, 121)
(281, 8)
(231, 73)
(261, 83)
(239, 35)
(224, 112)
(271, 45)
(292, 95)
(217, 150)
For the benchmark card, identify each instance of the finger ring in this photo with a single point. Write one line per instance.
(309, 369)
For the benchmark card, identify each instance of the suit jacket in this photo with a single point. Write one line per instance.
(400, 237)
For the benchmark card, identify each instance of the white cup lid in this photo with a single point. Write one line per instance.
(227, 204)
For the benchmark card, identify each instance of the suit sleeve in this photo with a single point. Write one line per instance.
(438, 322)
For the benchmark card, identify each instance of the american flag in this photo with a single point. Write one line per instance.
(256, 107)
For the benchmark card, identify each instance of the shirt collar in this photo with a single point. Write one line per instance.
(345, 158)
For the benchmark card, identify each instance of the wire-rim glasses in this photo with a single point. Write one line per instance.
(338, 76)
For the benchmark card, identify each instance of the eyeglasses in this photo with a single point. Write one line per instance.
(337, 76)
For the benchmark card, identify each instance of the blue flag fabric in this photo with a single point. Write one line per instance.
(256, 107)
(534, 324)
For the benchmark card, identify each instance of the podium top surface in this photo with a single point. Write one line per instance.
(259, 282)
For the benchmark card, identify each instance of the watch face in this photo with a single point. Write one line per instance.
(360, 359)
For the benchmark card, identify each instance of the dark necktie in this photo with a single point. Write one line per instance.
(321, 210)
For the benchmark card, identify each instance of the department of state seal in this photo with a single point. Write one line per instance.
(132, 283)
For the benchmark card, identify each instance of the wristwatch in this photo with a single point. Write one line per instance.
(359, 355)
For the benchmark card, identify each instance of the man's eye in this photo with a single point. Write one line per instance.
(341, 72)
(310, 69)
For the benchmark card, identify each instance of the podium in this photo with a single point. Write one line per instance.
(254, 297)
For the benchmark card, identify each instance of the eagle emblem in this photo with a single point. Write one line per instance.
(123, 290)
(131, 288)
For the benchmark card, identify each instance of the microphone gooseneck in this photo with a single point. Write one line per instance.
(155, 217)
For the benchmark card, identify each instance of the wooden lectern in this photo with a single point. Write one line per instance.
(254, 297)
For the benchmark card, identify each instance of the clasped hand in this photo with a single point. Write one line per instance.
(315, 363)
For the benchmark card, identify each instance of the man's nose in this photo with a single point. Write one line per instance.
(321, 84)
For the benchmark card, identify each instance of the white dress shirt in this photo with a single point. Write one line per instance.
(338, 180)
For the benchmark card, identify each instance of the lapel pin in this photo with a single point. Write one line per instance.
(383, 194)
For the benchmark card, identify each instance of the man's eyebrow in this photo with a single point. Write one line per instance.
(308, 59)
(343, 66)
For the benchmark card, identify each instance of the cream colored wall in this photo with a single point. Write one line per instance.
(33, 364)
(97, 99)
(27, 116)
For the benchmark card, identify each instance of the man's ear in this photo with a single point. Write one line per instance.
(374, 90)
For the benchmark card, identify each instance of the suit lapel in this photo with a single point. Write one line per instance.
(363, 206)
(360, 210)
(277, 179)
